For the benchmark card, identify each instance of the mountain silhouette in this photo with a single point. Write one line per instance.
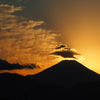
(86, 91)
(78, 83)
(66, 73)
(17, 87)
(14, 86)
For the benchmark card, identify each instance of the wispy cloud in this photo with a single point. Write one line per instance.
(21, 42)
(23, 1)
(16, 1)
(8, 9)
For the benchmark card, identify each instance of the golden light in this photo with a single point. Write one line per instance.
(87, 43)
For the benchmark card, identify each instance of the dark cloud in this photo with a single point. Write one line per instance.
(4, 65)
(61, 46)
(66, 53)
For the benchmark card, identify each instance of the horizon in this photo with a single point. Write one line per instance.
(32, 30)
(25, 70)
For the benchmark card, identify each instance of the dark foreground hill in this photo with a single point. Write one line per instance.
(86, 91)
(17, 87)
(66, 73)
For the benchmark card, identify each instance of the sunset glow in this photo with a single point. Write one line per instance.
(28, 37)
(49, 49)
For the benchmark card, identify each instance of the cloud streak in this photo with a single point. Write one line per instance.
(4, 65)
(20, 42)
(9, 9)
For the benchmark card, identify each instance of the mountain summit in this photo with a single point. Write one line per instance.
(66, 73)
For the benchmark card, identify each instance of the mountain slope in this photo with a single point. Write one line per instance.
(66, 73)
(86, 91)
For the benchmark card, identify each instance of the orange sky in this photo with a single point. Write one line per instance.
(84, 34)
(24, 39)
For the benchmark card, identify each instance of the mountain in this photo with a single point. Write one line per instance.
(66, 80)
(67, 73)
(86, 91)
(17, 87)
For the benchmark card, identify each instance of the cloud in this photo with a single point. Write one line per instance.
(21, 42)
(23, 1)
(4, 65)
(66, 53)
(15, 1)
(9, 9)
(61, 46)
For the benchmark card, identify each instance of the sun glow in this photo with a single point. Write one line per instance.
(21, 42)
(88, 47)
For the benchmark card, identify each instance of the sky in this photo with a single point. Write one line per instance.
(31, 29)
